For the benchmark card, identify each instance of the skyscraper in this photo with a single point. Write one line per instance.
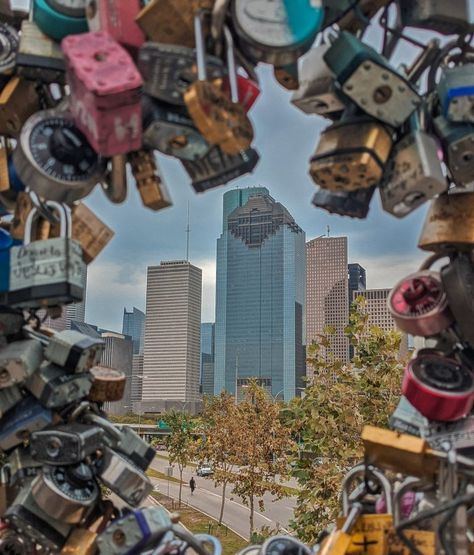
(171, 356)
(133, 324)
(357, 279)
(327, 296)
(207, 358)
(260, 296)
(118, 355)
(379, 314)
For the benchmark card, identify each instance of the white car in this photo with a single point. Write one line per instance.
(204, 470)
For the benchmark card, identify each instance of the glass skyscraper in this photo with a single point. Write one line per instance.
(134, 325)
(260, 296)
(207, 358)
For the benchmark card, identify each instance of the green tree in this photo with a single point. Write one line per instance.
(180, 443)
(339, 400)
(219, 425)
(261, 443)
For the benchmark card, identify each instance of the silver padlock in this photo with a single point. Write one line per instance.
(54, 387)
(448, 17)
(414, 173)
(170, 130)
(456, 93)
(9, 397)
(66, 444)
(71, 350)
(13, 542)
(124, 478)
(54, 157)
(445, 436)
(66, 493)
(22, 466)
(169, 69)
(11, 321)
(317, 92)
(405, 418)
(47, 272)
(354, 204)
(18, 361)
(30, 521)
(373, 475)
(9, 40)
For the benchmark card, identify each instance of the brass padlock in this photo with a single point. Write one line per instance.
(18, 101)
(449, 224)
(171, 21)
(399, 452)
(108, 385)
(80, 542)
(91, 232)
(351, 155)
(4, 177)
(152, 189)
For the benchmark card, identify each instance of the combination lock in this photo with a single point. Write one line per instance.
(419, 304)
(9, 41)
(55, 159)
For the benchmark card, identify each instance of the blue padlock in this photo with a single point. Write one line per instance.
(57, 18)
(456, 93)
(6, 243)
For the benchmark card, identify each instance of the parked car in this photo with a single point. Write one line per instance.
(204, 470)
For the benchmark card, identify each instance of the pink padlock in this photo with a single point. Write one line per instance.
(117, 18)
(249, 91)
(105, 92)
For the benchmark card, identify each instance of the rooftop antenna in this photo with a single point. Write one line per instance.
(187, 236)
(329, 229)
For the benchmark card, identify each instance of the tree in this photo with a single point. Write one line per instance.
(340, 399)
(220, 421)
(180, 443)
(261, 443)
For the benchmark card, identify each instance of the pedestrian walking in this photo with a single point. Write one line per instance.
(192, 484)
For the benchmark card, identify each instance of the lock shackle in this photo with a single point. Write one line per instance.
(200, 46)
(40, 336)
(360, 470)
(64, 220)
(107, 426)
(428, 262)
(207, 539)
(219, 11)
(231, 66)
(5, 474)
(410, 483)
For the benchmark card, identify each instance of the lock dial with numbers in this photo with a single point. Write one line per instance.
(55, 159)
(9, 41)
(419, 304)
(73, 8)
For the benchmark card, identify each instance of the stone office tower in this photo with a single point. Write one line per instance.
(260, 296)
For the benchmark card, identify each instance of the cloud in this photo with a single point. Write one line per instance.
(386, 270)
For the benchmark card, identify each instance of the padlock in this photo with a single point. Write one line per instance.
(6, 244)
(39, 58)
(449, 224)
(9, 397)
(367, 78)
(26, 417)
(278, 32)
(459, 435)
(54, 387)
(218, 168)
(131, 532)
(458, 281)
(116, 18)
(151, 187)
(80, 542)
(18, 101)
(448, 17)
(11, 321)
(351, 154)
(23, 206)
(59, 18)
(458, 146)
(108, 385)
(9, 39)
(54, 157)
(13, 542)
(419, 304)
(339, 541)
(28, 519)
(5, 489)
(287, 76)
(355, 204)
(114, 184)
(414, 173)
(124, 478)
(22, 466)
(221, 121)
(317, 92)
(456, 92)
(439, 387)
(247, 88)
(18, 361)
(354, 17)
(90, 231)
(171, 21)
(66, 493)
(105, 92)
(46, 273)
(402, 453)
(168, 69)
(66, 444)
(406, 419)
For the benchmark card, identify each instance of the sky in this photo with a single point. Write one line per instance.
(285, 139)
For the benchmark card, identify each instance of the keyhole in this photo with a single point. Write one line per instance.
(382, 94)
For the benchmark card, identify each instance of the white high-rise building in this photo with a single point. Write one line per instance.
(171, 357)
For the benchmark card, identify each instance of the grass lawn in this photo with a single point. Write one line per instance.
(157, 474)
(199, 523)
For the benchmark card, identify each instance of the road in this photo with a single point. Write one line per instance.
(207, 498)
